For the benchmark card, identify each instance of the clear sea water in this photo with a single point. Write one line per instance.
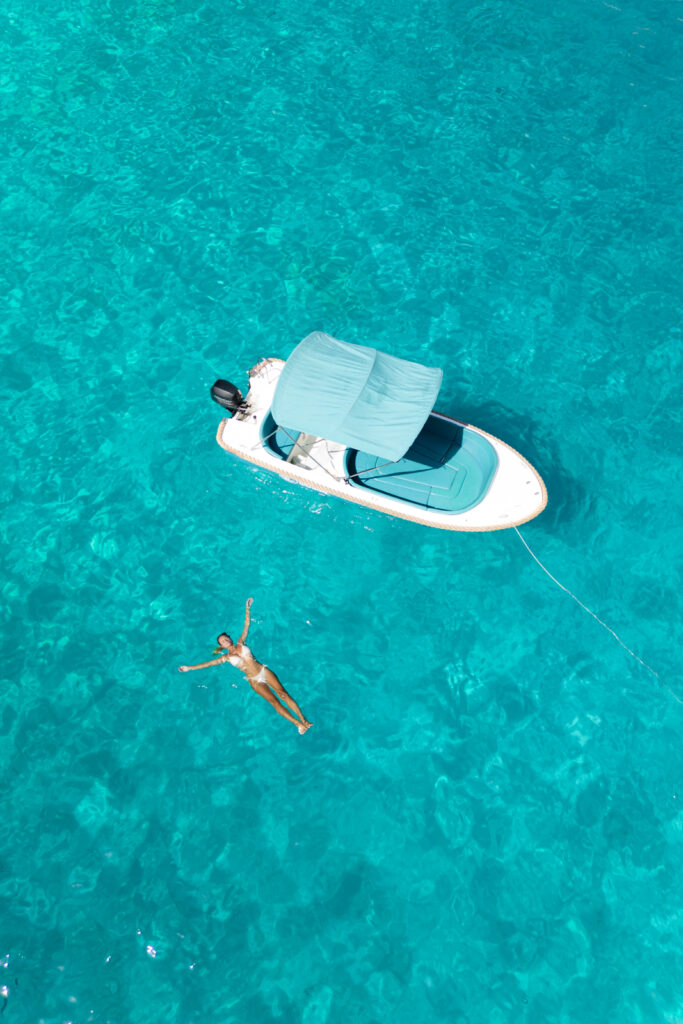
(485, 824)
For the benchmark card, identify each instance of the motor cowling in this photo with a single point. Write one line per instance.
(227, 395)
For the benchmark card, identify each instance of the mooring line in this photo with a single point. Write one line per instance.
(596, 617)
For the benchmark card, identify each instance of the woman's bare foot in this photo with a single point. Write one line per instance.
(303, 727)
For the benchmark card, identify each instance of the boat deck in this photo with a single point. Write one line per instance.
(448, 468)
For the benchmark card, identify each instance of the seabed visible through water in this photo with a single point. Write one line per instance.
(483, 825)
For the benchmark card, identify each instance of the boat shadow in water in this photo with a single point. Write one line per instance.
(568, 498)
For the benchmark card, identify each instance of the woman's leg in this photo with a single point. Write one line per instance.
(280, 692)
(267, 694)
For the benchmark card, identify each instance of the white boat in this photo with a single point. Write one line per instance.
(349, 421)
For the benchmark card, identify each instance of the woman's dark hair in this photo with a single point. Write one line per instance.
(217, 650)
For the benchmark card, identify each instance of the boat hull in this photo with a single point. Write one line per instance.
(515, 495)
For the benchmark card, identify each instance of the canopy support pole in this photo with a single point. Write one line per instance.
(266, 438)
(312, 457)
(339, 479)
(372, 469)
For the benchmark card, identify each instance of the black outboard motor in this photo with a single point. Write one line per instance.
(227, 395)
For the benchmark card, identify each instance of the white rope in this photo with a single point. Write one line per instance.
(597, 619)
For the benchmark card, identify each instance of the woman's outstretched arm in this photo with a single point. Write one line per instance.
(204, 664)
(247, 621)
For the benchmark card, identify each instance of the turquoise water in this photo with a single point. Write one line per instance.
(485, 823)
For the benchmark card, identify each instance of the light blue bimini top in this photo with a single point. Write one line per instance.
(355, 395)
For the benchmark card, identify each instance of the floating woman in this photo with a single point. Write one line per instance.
(261, 679)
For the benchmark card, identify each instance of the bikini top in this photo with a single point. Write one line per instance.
(238, 660)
